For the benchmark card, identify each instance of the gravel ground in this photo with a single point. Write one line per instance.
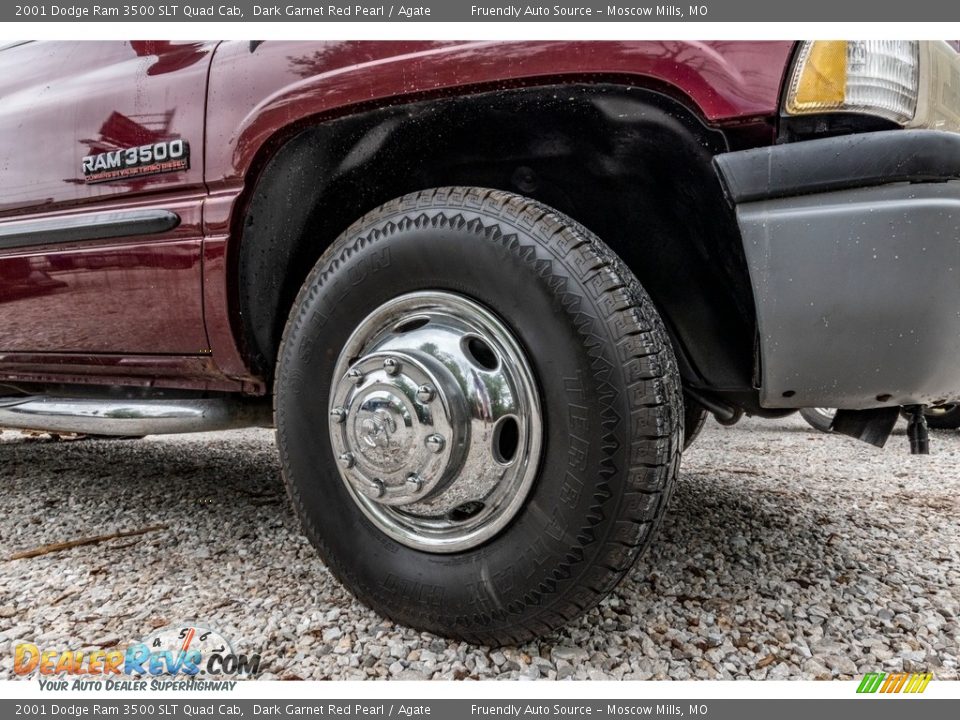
(785, 554)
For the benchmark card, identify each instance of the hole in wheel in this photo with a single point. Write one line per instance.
(410, 325)
(465, 511)
(479, 353)
(506, 440)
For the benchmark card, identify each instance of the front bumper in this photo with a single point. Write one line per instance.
(853, 248)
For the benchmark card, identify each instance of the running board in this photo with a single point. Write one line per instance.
(131, 417)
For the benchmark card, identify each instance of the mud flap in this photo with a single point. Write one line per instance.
(872, 426)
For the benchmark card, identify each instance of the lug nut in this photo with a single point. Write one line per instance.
(338, 415)
(435, 443)
(392, 366)
(425, 393)
(414, 483)
(356, 374)
(347, 460)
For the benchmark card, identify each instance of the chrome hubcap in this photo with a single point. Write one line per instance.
(435, 421)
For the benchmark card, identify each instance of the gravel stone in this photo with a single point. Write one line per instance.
(785, 554)
(840, 664)
(570, 654)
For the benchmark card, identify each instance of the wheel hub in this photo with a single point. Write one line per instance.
(393, 440)
(435, 421)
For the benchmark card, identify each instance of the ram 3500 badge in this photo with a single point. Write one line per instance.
(127, 163)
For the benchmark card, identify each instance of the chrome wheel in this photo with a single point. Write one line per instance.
(435, 421)
(819, 418)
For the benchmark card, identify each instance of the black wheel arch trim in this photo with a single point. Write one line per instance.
(625, 161)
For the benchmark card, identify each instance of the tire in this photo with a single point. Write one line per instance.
(605, 378)
(694, 418)
(944, 417)
(819, 418)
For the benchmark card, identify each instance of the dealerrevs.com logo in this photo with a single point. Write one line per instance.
(911, 683)
(173, 658)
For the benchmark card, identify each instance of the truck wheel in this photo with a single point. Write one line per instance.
(943, 417)
(478, 414)
(819, 418)
(694, 418)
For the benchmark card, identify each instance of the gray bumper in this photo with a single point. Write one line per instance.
(857, 290)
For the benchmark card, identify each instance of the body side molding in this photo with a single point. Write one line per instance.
(90, 226)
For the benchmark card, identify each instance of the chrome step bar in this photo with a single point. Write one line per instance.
(131, 417)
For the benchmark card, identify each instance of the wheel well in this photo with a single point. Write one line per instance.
(632, 165)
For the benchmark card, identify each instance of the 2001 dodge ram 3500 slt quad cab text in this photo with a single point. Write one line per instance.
(482, 290)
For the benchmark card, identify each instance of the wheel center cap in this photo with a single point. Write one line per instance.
(392, 428)
(385, 430)
(376, 431)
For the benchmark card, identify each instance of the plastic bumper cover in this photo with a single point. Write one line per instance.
(853, 249)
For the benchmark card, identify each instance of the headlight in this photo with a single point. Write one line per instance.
(877, 77)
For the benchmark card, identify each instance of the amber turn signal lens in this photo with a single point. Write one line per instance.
(822, 80)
